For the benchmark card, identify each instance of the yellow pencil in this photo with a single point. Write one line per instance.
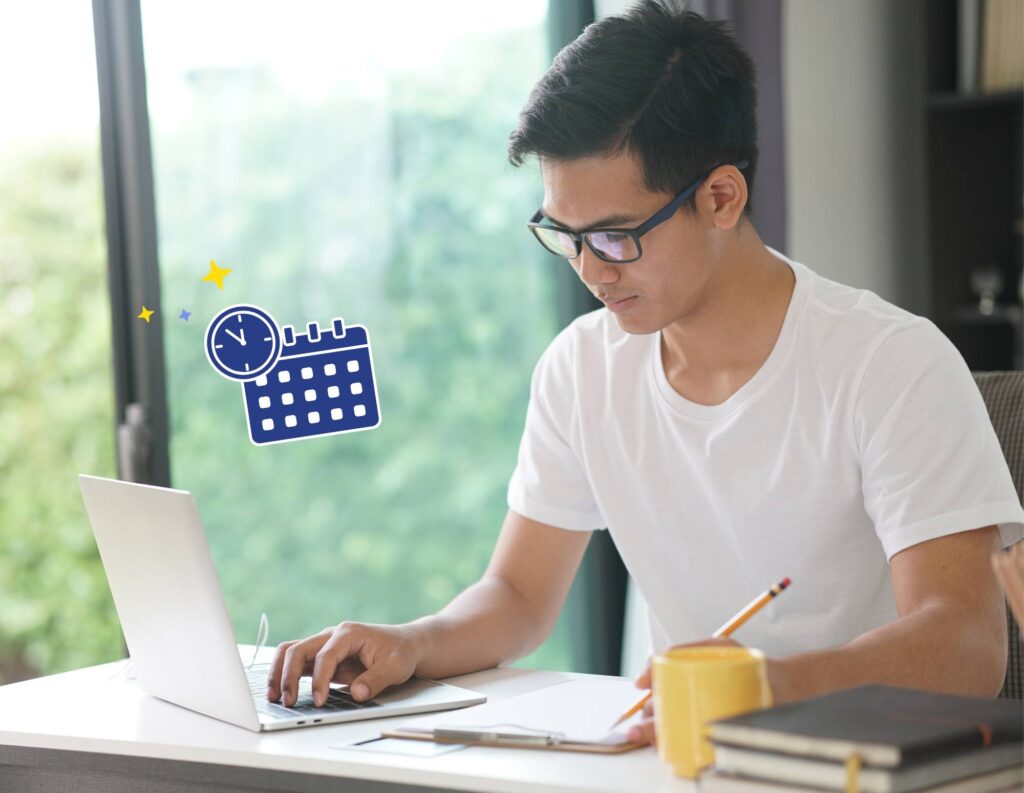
(742, 616)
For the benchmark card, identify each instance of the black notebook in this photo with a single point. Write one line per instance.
(831, 775)
(885, 725)
(1006, 779)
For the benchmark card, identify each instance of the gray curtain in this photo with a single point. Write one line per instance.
(757, 25)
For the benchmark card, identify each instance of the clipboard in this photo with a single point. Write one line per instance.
(560, 718)
(468, 738)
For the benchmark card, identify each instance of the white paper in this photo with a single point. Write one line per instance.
(395, 746)
(579, 711)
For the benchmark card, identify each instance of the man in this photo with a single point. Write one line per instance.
(730, 416)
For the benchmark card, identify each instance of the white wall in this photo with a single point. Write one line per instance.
(852, 76)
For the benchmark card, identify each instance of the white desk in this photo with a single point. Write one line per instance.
(93, 729)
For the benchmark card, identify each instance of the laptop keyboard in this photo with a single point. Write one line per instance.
(337, 700)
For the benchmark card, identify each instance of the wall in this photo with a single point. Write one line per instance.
(852, 73)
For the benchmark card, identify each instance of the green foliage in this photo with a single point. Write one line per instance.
(58, 415)
(395, 210)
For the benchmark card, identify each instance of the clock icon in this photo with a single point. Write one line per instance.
(243, 342)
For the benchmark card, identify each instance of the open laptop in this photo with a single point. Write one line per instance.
(176, 624)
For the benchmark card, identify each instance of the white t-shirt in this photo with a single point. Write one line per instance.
(862, 434)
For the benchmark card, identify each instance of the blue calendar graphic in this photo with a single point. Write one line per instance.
(295, 385)
(322, 384)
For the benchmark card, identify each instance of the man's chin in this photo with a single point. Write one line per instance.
(636, 325)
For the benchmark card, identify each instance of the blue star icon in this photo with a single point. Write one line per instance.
(185, 315)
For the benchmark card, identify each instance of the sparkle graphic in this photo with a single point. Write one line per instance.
(216, 274)
(185, 315)
(145, 314)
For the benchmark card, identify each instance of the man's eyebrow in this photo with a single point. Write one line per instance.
(605, 222)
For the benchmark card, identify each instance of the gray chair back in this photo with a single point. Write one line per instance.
(1003, 393)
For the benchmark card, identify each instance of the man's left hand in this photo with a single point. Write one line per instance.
(643, 732)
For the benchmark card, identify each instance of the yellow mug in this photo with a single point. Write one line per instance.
(695, 685)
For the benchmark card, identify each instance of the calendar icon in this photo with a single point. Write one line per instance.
(322, 384)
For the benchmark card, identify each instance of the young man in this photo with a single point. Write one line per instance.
(730, 416)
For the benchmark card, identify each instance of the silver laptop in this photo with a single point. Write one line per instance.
(176, 624)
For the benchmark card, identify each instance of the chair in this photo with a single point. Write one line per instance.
(1003, 393)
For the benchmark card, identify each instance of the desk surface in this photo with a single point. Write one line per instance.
(100, 711)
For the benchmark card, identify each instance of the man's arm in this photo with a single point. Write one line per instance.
(513, 608)
(505, 615)
(950, 635)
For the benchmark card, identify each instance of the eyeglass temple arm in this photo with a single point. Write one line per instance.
(670, 209)
(658, 218)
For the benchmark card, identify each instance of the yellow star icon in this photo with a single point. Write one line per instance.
(145, 314)
(216, 274)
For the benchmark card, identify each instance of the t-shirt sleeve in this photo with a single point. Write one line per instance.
(931, 464)
(550, 484)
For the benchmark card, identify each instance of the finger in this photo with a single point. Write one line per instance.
(342, 644)
(388, 671)
(1013, 562)
(999, 568)
(1012, 582)
(642, 733)
(298, 661)
(1000, 572)
(717, 641)
(1007, 576)
(644, 680)
(347, 671)
(649, 708)
(274, 677)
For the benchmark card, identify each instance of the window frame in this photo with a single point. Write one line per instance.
(140, 389)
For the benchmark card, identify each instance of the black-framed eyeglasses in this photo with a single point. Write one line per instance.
(611, 245)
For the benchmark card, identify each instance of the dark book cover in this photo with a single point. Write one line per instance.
(888, 726)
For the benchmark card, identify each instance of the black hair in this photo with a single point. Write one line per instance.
(666, 84)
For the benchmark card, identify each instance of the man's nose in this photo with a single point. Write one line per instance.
(593, 270)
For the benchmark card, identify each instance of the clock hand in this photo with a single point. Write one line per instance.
(240, 340)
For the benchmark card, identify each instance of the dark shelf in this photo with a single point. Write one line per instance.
(953, 100)
(974, 167)
(1003, 314)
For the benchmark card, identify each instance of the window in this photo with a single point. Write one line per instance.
(347, 160)
(55, 349)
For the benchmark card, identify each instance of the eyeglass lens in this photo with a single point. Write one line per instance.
(613, 245)
(558, 242)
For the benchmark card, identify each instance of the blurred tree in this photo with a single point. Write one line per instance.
(58, 413)
(393, 206)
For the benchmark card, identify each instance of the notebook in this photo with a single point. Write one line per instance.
(832, 774)
(1008, 779)
(574, 716)
(887, 726)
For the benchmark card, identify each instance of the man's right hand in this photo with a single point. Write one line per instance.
(367, 657)
(503, 616)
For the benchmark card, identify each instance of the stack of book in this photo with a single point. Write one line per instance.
(876, 739)
(990, 52)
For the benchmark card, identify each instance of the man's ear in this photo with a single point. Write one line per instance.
(723, 196)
